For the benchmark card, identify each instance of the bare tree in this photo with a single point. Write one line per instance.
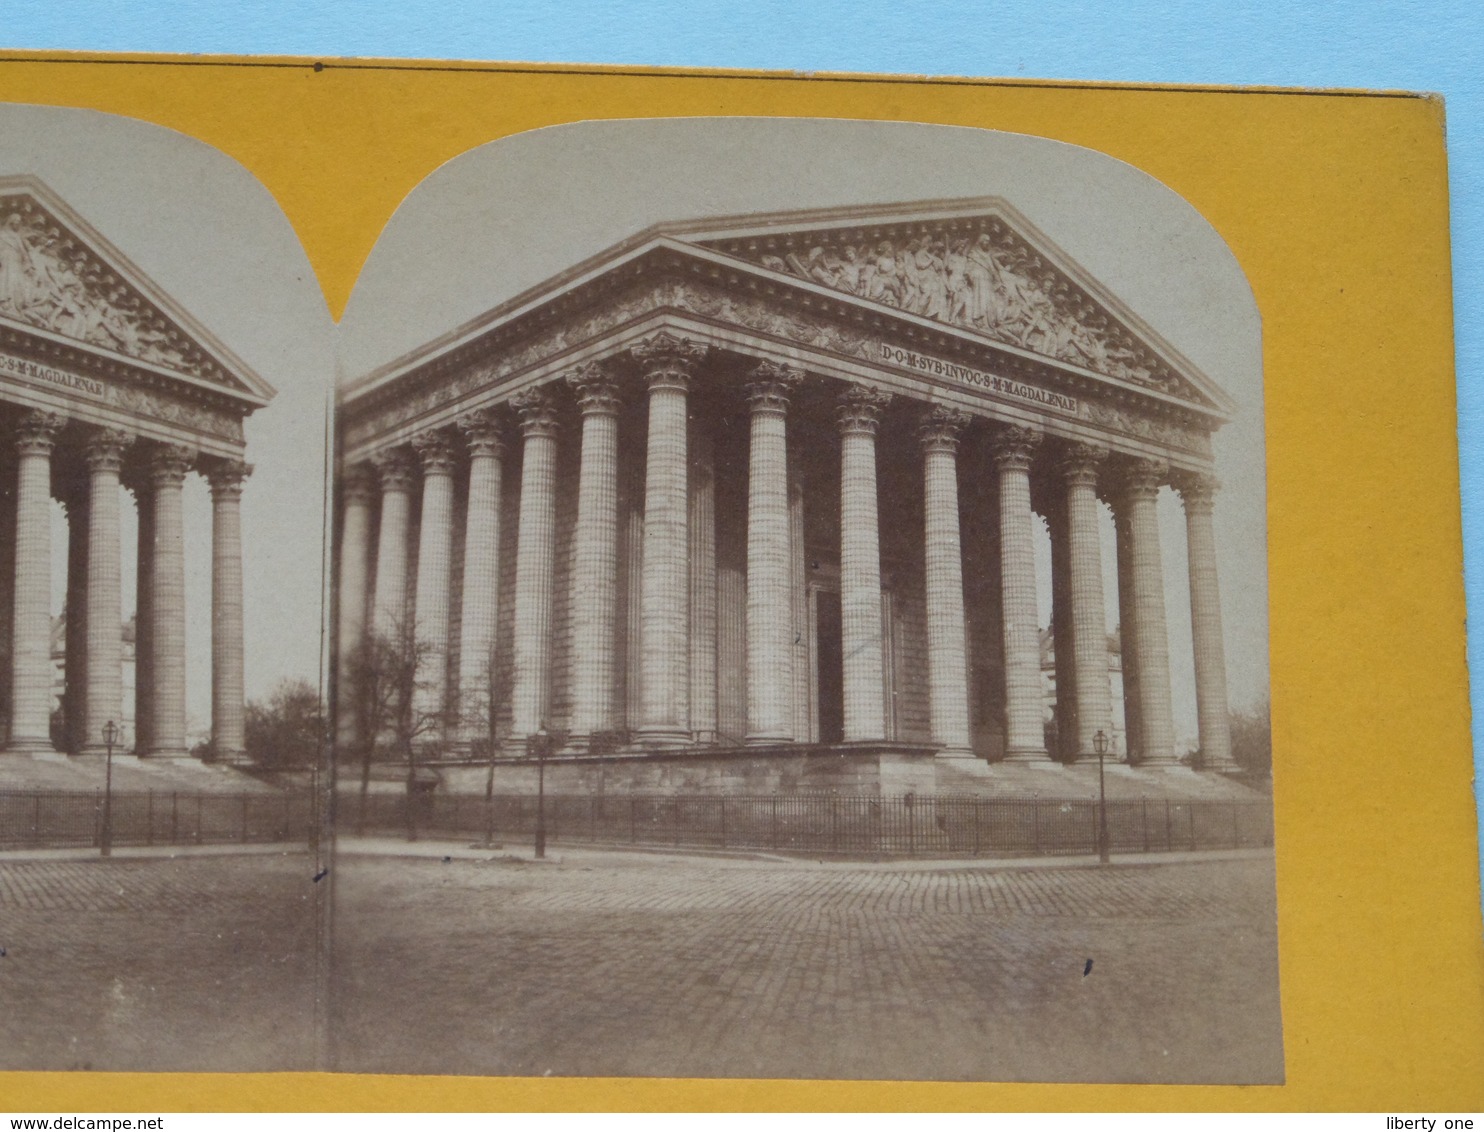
(389, 677)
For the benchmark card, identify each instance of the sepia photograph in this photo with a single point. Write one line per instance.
(164, 362)
(800, 611)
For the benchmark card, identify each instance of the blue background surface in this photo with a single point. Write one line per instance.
(1432, 45)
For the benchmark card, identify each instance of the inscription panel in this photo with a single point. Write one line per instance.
(151, 404)
(979, 379)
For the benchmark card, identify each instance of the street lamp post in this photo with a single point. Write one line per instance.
(105, 837)
(538, 743)
(1100, 744)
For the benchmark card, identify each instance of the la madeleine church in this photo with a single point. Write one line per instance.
(747, 505)
(106, 381)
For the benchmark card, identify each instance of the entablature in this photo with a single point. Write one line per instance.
(827, 336)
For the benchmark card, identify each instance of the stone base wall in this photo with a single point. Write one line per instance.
(825, 770)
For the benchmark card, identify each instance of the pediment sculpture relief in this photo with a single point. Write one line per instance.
(974, 281)
(48, 280)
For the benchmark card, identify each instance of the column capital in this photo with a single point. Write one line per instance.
(226, 478)
(484, 432)
(169, 464)
(1014, 447)
(37, 432)
(435, 449)
(104, 449)
(597, 392)
(358, 484)
(394, 469)
(860, 409)
(1197, 490)
(940, 428)
(1080, 464)
(537, 412)
(770, 385)
(1141, 479)
(669, 361)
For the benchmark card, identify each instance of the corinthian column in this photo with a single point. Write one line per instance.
(357, 491)
(1024, 735)
(595, 555)
(1088, 620)
(105, 677)
(167, 662)
(1140, 492)
(481, 577)
(860, 566)
(535, 564)
(228, 719)
(434, 563)
(1198, 493)
(31, 626)
(389, 610)
(770, 675)
(667, 363)
(948, 679)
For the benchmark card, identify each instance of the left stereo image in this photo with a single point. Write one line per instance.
(164, 352)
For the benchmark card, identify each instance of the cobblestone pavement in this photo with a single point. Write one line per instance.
(610, 964)
(188, 963)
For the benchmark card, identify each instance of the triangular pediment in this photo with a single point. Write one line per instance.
(61, 277)
(978, 266)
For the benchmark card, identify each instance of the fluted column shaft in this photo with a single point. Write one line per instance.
(595, 556)
(168, 468)
(860, 567)
(389, 609)
(667, 363)
(144, 619)
(1129, 663)
(770, 676)
(480, 605)
(228, 711)
(1024, 734)
(703, 616)
(103, 702)
(535, 566)
(948, 691)
(355, 570)
(800, 633)
(74, 703)
(434, 581)
(1198, 495)
(31, 626)
(1089, 653)
(1147, 590)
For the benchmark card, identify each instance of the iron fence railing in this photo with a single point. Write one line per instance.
(910, 826)
(40, 819)
(907, 826)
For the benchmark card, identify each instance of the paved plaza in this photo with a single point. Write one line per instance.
(644, 964)
(155, 963)
(611, 963)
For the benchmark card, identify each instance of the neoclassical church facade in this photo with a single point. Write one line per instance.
(105, 381)
(756, 496)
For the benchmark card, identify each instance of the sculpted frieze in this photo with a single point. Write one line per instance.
(49, 280)
(984, 281)
(182, 414)
(1152, 429)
